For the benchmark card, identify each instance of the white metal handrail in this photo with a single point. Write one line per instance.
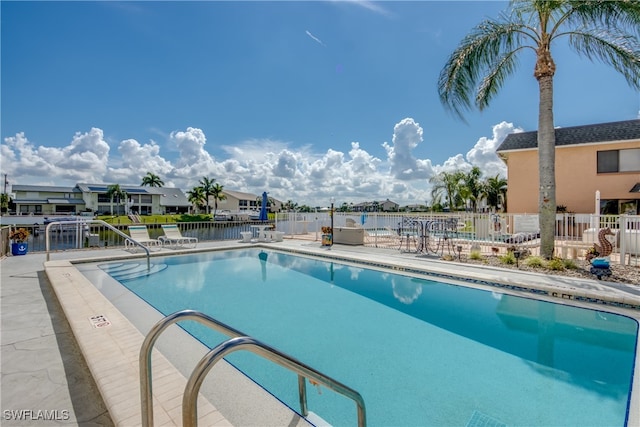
(239, 341)
(190, 397)
(79, 222)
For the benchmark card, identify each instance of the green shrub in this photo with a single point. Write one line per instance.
(534, 261)
(555, 264)
(475, 255)
(569, 264)
(508, 258)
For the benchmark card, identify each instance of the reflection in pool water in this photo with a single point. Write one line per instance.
(421, 352)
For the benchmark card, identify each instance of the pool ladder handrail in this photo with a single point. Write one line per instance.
(79, 222)
(239, 341)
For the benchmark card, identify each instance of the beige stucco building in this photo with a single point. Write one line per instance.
(238, 201)
(601, 157)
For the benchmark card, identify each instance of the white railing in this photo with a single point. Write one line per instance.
(574, 233)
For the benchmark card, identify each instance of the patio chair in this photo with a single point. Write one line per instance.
(404, 241)
(140, 234)
(173, 236)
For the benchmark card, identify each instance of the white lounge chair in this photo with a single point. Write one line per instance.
(173, 236)
(140, 234)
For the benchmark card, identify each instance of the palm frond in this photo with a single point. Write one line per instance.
(485, 47)
(621, 51)
(494, 80)
(623, 15)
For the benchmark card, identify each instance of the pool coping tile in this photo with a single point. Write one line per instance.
(112, 352)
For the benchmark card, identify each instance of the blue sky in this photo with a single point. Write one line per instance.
(305, 100)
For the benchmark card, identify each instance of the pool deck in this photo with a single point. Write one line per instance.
(59, 369)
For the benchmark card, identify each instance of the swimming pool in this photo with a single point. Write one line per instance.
(421, 352)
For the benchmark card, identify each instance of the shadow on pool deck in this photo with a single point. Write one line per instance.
(42, 366)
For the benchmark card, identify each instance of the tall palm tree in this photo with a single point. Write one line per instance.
(116, 192)
(495, 191)
(196, 197)
(216, 192)
(152, 180)
(207, 187)
(477, 69)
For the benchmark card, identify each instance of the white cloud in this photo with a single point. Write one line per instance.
(287, 172)
(83, 160)
(404, 166)
(373, 6)
(193, 162)
(483, 154)
(314, 38)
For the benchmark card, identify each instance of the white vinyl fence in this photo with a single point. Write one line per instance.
(489, 233)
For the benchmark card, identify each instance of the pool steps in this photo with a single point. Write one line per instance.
(131, 270)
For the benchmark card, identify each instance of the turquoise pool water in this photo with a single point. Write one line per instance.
(420, 351)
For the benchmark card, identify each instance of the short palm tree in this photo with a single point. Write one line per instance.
(116, 192)
(473, 186)
(207, 184)
(151, 180)
(447, 184)
(216, 192)
(495, 191)
(477, 69)
(4, 202)
(196, 197)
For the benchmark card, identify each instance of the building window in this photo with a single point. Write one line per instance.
(613, 161)
(30, 209)
(630, 160)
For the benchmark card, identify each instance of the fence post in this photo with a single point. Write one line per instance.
(622, 236)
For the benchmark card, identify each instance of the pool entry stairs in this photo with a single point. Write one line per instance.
(237, 342)
(132, 270)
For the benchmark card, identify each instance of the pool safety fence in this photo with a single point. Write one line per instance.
(490, 233)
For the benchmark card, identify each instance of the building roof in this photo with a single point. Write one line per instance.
(103, 188)
(587, 134)
(43, 188)
(65, 201)
(171, 196)
(240, 195)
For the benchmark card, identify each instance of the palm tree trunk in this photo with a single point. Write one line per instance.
(546, 167)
